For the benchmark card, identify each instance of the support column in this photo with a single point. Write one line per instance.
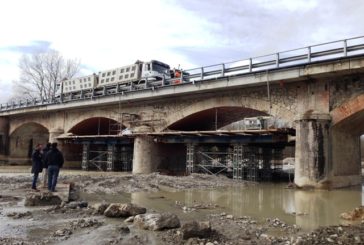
(110, 157)
(146, 157)
(190, 157)
(312, 150)
(4, 136)
(53, 134)
(346, 158)
(238, 161)
(85, 156)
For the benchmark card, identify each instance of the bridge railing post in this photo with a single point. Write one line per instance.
(202, 73)
(223, 69)
(309, 54)
(345, 48)
(250, 64)
(277, 60)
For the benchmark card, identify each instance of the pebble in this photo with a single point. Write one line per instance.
(330, 240)
(129, 220)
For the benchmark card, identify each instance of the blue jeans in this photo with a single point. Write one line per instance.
(53, 172)
(35, 179)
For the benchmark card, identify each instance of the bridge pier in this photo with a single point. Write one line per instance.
(4, 135)
(346, 159)
(53, 134)
(326, 156)
(312, 150)
(146, 157)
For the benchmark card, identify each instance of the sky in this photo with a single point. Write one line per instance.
(188, 33)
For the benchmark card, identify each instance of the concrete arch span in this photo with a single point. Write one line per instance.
(25, 137)
(347, 127)
(214, 118)
(217, 112)
(96, 126)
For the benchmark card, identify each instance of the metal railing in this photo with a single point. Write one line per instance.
(321, 52)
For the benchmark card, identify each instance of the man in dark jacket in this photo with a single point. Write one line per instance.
(37, 165)
(54, 160)
(45, 172)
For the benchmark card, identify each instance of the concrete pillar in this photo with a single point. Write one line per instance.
(346, 159)
(146, 158)
(53, 134)
(312, 150)
(4, 135)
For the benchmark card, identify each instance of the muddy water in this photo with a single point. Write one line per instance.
(307, 209)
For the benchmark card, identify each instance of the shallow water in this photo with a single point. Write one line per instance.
(308, 209)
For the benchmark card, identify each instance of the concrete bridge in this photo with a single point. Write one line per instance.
(323, 101)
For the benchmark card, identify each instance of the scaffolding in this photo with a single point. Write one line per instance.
(210, 159)
(246, 162)
(113, 157)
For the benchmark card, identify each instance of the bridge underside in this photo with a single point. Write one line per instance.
(247, 155)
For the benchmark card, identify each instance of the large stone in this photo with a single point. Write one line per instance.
(100, 207)
(356, 214)
(196, 229)
(74, 205)
(157, 221)
(123, 210)
(42, 199)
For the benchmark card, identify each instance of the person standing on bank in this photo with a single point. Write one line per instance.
(45, 172)
(54, 160)
(37, 165)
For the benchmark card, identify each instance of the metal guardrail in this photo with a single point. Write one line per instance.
(321, 52)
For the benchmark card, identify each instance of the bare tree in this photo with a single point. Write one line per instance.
(39, 74)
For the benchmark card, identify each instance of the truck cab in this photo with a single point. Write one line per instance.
(155, 70)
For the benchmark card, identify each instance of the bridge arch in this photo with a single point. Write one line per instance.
(350, 112)
(233, 109)
(96, 126)
(347, 127)
(25, 137)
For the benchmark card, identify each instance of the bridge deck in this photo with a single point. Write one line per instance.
(219, 136)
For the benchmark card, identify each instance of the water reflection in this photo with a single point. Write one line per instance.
(308, 209)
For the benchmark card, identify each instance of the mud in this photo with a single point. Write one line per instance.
(73, 223)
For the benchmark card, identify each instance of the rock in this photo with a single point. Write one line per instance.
(229, 216)
(42, 199)
(123, 210)
(74, 205)
(71, 205)
(19, 215)
(196, 229)
(129, 220)
(123, 229)
(357, 239)
(158, 221)
(63, 232)
(85, 223)
(209, 243)
(83, 204)
(100, 207)
(356, 214)
(330, 240)
(74, 195)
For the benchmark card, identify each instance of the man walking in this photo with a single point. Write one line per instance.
(54, 160)
(37, 165)
(45, 167)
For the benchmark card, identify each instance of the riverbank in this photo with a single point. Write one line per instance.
(228, 211)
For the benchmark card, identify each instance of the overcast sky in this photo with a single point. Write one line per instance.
(111, 33)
